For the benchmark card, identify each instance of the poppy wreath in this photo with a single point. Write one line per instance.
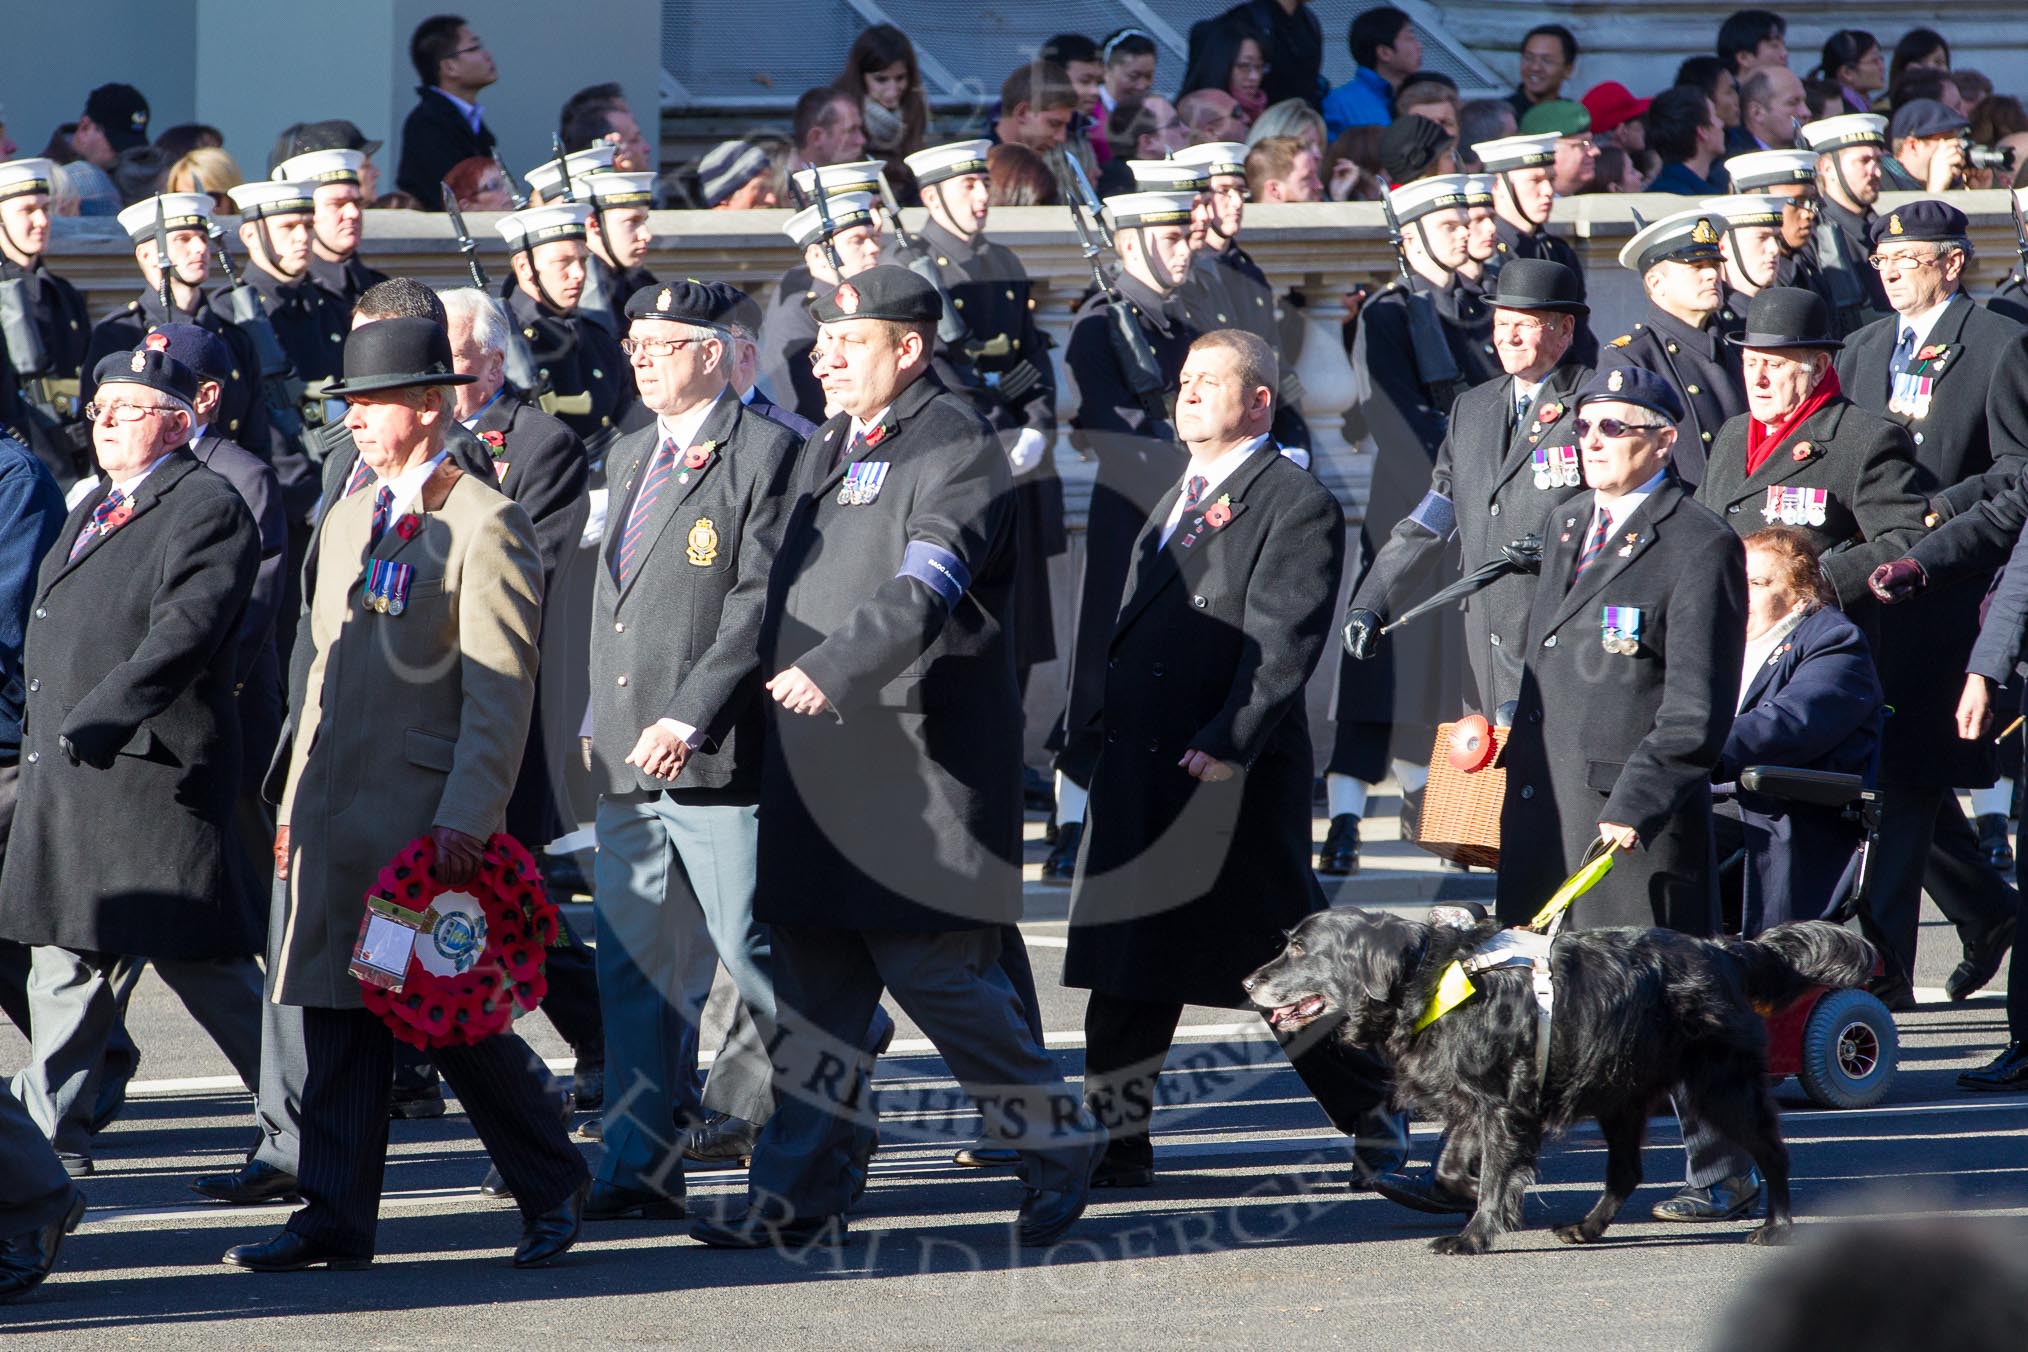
(433, 1010)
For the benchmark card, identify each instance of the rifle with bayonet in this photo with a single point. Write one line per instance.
(164, 291)
(2020, 236)
(522, 373)
(595, 302)
(283, 391)
(49, 402)
(1836, 263)
(514, 193)
(1144, 376)
(1436, 367)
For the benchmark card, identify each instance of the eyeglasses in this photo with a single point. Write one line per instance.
(1881, 262)
(477, 46)
(1613, 427)
(658, 347)
(124, 413)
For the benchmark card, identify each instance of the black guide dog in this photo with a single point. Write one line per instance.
(1638, 1015)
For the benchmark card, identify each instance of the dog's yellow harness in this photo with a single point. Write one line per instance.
(1527, 946)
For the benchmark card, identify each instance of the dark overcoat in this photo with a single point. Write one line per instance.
(678, 640)
(580, 362)
(1702, 368)
(1971, 442)
(1486, 471)
(1629, 739)
(899, 809)
(1814, 704)
(130, 655)
(1185, 887)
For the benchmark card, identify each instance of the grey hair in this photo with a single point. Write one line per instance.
(489, 322)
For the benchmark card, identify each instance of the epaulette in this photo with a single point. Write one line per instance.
(1622, 340)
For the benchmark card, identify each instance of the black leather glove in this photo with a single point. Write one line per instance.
(1525, 554)
(1362, 634)
(97, 751)
(1897, 581)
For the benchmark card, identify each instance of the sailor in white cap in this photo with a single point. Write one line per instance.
(1851, 150)
(1123, 423)
(310, 322)
(584, 377)
(1251, 303)
(338, 222)
(840, 238)
(38, 388)
(854, 176)
(545, 180)
(617, 237)
(1482, 243)
(1681, 336)
(1750, 237)
(1386, 709)
(1790, 175)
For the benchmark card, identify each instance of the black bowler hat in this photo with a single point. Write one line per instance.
(1928, 221)
(396, 354)
(883, 292)
(684, 302)
(1540, 284)
(1784, 317)
(149, 366)
(1632, 385)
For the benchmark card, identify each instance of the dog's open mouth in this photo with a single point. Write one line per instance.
(1300, 1012)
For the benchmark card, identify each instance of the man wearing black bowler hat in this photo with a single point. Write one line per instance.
(451, 643)
(130, 717)
(890, 797)
(1508, 457)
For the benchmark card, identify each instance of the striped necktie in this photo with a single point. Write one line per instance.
(361, 472)
(383, 508)
(97, 528)
(644, 502)
(1594, 545)
(1193, 490)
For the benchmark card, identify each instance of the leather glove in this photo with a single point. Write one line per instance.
(1525, 554)
(1897, 581)
(1362, 634)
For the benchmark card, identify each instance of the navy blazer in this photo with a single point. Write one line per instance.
(1815, 704)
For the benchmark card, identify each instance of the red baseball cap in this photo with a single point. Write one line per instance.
(1611, 103)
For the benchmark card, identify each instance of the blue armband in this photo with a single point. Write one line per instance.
(936, 568)
(1437, 515)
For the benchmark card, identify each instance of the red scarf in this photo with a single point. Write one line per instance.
(1761, 439)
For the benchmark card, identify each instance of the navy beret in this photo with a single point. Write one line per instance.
(1925, 221)
(883, 292)
(1633, 385)
(685, 302)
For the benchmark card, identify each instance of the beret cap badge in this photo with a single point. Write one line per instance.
(1615, 381)
(662, 301)
(140, 361)
(848, 298)
(1894, 224)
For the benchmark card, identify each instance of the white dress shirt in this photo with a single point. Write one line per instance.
(1621, 509)
(1921, 325)
(408, 484)
(1214, 474)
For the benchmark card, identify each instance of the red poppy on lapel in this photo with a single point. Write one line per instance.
(1932, 352)
(1218, 514)
(408, 526)
(119, 516)
(1548, 413)
(876, 434)
(496, 440)
(696, 457)
(1802, 451)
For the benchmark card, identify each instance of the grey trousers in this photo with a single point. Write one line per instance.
(673, 894)
(73, 1008)
(278, 1100)
(828, 983)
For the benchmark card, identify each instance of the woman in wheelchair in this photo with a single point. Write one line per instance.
(1808, 700)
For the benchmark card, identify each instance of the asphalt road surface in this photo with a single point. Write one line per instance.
(1249, 1237)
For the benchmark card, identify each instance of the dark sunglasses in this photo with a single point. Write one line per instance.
(1613, 427)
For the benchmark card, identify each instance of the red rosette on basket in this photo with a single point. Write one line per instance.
(473, 955)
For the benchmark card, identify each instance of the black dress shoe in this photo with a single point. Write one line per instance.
(1993, 842)
(1893, 991)
(983, 1156)
(494, 1186)
(250, 1183)
(1422, 1192)
(31, 1257)
(1061, 866)
(1731, 1200)
(291, 1252)
(748, 1231)
(724, 1142)
(1123, 1171)
(611, 1202)
(2008, 1072)
(588, 1088)
(549, 1235)
(413, 1103)
(1981, 961)
(564, 878)
(1338, 856)
(592, 1129)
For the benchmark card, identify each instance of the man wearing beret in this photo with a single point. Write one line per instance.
(1955, 375)
(1633, 658)
(676, 729)
(426, 601)
(890, 802)
(1681, 335)
(131, 716)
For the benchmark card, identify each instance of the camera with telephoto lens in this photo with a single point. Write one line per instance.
(1986, 157)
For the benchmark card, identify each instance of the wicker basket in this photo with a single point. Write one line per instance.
(1461, 812)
